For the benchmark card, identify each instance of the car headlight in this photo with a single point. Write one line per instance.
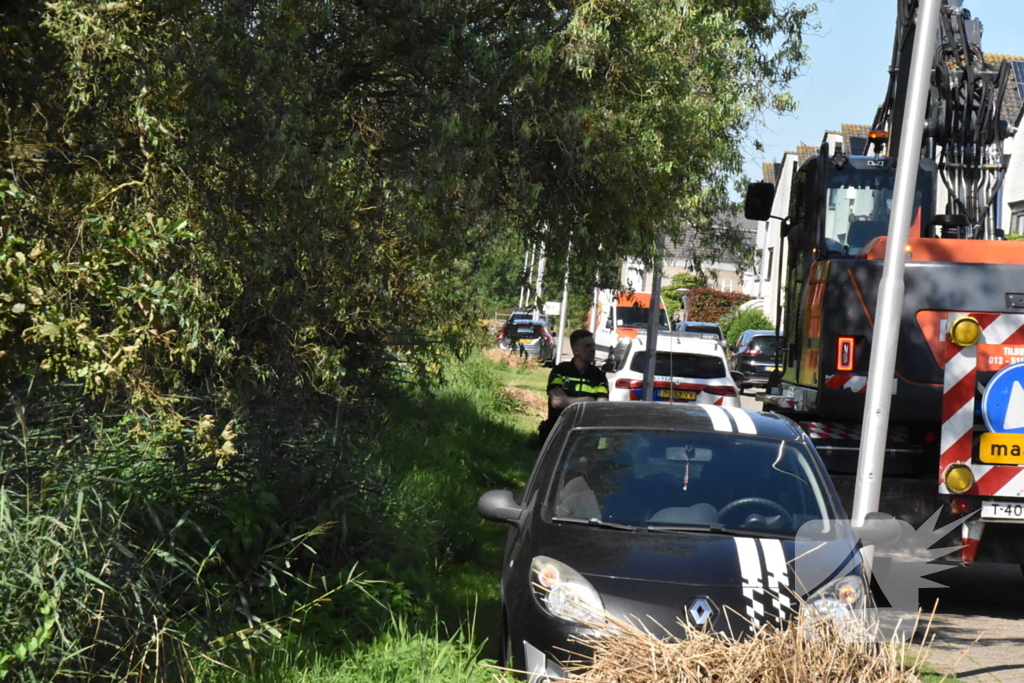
(844, 598)
(564, 592)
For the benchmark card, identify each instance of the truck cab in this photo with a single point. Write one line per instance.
(620, 315)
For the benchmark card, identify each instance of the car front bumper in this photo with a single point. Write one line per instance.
(540, 667)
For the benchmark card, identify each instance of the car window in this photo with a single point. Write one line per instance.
(670, 364)
(528, 331)
(763, 344)
(650, 478)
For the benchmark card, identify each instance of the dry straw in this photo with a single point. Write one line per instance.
(804, 652)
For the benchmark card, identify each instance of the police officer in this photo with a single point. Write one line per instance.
(574, 381)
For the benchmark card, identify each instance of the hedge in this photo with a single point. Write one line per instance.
(711, 305)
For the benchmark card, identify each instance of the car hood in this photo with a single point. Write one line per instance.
(665, 577)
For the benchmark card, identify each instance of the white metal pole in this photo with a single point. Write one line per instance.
(592, 320)
(529, 274)
(526, 266)
(539, 290)
(890, 294)
(565, 306)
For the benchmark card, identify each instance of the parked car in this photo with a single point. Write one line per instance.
(519, 314)
(754, 356)
(712, 330)
(686, 368)
(655, 513)
(532, 336)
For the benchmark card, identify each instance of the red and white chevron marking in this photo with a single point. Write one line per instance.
(831, 430)
(855, 383)
(834, 430)
(958, 396)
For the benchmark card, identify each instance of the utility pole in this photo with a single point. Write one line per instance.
(526, 274)
(653, 320)
(538, 297)
(565, 306)
(881, 369)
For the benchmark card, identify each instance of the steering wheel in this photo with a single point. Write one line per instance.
(758, 503)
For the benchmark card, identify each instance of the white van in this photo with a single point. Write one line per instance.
(620, 316)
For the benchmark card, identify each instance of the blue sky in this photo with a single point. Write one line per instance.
(848, 73)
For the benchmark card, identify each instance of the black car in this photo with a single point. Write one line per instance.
(755, 356)
(657, 512)
(532, 337)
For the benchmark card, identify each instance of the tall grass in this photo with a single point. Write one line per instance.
(400, 654)
(131, 548)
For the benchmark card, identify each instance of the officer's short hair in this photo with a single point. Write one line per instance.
(578, 336)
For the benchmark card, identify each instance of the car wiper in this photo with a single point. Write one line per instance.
(715, 529)
(594, 521)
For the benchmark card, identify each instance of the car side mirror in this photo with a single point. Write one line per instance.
(499, 506)
(879, 528)
(608, 366)
(739, 378)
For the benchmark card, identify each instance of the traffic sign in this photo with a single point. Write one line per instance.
(1002, 404)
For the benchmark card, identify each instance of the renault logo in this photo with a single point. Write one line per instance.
(701, 611)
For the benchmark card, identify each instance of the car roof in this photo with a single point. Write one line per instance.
(690, 417)
(681, 341)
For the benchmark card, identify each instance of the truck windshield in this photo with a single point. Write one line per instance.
(859, 203)
(636, 316)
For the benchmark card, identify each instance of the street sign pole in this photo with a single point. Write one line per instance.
(890, 295)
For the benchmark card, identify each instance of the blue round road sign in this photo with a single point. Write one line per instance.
(1002, 404)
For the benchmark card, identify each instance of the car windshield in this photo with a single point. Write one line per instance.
(636, 316)
(696, 327)
(692, 365)
(723, 482)
(763, 344)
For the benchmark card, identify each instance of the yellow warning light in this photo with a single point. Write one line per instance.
(965, 331)
(878, 136)
(959, 478)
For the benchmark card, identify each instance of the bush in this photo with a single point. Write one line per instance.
(711, 305)
(747, 319)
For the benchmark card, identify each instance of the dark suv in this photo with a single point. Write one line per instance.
(754, 355)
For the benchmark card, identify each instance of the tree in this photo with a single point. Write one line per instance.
(251, 218)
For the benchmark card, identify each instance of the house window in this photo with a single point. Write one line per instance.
(1017, 221)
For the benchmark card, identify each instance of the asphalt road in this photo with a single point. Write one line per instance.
(984, 603)
(978, 629)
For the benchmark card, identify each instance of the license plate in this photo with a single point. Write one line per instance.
(677, 394)
(1001, 449)
(1012, 511)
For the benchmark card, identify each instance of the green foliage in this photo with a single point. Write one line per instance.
(401, 654)
(747, 319)
(231, 232)
(673, 302)
(711, 305)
